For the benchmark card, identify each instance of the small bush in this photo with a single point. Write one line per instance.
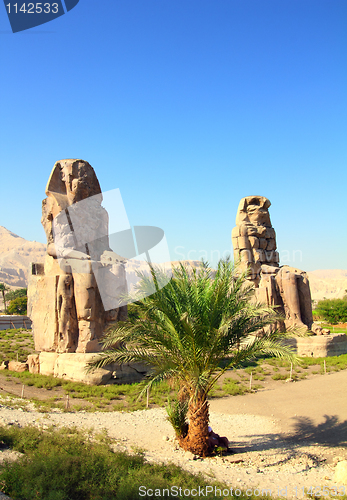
(333, 310)
(18, 306)
(280, 376)
(233, 387)
(177, 416)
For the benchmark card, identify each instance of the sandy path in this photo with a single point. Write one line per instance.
(314, 409)
(271, 450)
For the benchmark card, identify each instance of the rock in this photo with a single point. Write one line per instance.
(17, 366)
(33, 362)
(326, 331)
(287, 288)
(317, 329)
(336, 460)
(340, 476)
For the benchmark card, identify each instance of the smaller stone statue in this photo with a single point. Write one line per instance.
(254, 242)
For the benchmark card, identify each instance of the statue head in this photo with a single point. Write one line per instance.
(72, 181)
(254, 210)
(73, 185)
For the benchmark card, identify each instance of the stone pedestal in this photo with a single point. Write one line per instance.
(73, 366)
(319, 346)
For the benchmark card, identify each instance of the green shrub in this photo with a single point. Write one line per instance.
(18, 305)
(333, 310)
(14, 294)
(177, 416)
(280, 376)
(233, 387)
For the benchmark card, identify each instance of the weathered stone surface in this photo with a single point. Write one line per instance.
(129, 372)
(33, 363)
(68, 310)
(316, 329)
(340, 475)
(319, 346)
(47, 360)
(42, 300)
(17, 366)
(254, 242)
(254, 232)
(73, 366)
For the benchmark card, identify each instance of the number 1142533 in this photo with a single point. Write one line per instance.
(33, 8)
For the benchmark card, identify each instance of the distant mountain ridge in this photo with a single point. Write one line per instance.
(328, 283)
(16, 253)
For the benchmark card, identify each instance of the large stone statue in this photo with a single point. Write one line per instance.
(66, 304)
(254, 242)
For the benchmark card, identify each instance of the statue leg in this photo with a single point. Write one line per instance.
(288, 286)
(66, 311)
(89, 312)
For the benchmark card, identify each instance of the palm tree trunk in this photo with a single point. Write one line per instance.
(3, 298)
(196, 440)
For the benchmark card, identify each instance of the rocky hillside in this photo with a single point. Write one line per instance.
(16, 253)
(328, 283)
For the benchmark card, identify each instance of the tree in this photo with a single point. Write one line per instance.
(4, 288)
(13, 294)
(332, 310)
(190, 332)
(18, 305)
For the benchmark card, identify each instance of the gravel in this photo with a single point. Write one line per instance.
(262, 458)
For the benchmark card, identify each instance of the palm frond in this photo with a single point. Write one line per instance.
(189, 326)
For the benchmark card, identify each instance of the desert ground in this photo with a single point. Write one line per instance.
(284, 439)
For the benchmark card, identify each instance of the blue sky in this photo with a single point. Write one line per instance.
(186, 106)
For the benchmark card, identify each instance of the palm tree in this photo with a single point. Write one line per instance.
(190, 331)
(4, 288)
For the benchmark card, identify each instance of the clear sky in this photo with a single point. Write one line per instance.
(186, 106)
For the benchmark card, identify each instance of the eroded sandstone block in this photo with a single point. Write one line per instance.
(33, 363)
(47, 361)
(17, 366)
(73, 366)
